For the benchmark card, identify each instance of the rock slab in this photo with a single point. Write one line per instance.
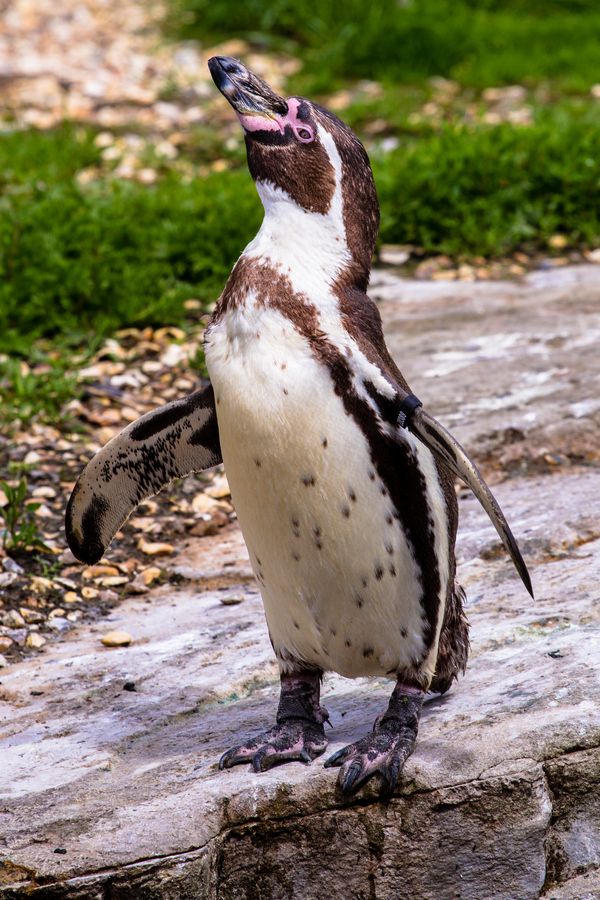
(108, 792)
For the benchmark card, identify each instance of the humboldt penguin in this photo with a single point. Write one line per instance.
(342, 482)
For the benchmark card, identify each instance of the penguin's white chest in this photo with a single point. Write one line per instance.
(339, 583)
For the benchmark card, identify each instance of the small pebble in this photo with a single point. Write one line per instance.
(151, 548)
(11, 565)
(151, 574)
(35, 641)
(231, 600)
(116, 639)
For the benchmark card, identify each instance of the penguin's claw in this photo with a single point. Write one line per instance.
(289, 741)
(382, 752)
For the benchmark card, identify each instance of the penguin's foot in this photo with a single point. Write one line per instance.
(294, 739)
(386, 749)
(298, 734)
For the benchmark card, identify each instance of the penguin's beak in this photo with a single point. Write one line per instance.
(248, 94)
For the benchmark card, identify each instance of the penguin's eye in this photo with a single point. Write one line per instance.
(304, 133)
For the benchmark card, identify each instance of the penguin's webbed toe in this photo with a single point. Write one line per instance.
(383, 752)
(288, 741)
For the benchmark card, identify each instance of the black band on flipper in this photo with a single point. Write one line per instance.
(407, 408)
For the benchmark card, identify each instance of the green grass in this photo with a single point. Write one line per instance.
(477, 42)
(492, 190)
(40, 393)
(78, 262)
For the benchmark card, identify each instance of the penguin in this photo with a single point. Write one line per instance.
(343, 483)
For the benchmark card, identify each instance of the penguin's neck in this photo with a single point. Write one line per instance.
(309, 248)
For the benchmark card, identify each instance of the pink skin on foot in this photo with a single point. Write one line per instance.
(304, 133)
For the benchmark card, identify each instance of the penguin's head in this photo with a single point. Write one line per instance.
(301, 154)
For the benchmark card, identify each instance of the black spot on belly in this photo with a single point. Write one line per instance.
(346, 512)
(392, 570)
(308, 480)
(296, 625)
(359, 601)
(317, 532)
(403, 632)
(352, 495)
(367, 652)
(296, 556)
(389, 548)
(318, 545)
(389, 519)
(348, 642)
(324, 442)
(383, 491)
(285, 391)
(372, 475)
(257, 463)
(378, 572)
(364, 581)
(258, 561)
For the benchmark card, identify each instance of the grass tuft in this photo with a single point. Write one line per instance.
(79, 262)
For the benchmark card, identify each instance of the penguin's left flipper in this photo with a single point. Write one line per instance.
(167, 443)
(444, 445)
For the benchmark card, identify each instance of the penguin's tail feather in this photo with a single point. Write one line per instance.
(444, 445)
(167, 443)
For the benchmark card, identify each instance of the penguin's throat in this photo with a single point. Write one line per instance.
(310, 248)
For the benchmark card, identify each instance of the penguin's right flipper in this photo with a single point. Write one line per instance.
(444, 445)
(169, 442)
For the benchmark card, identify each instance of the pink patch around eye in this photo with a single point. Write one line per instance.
(304, 133)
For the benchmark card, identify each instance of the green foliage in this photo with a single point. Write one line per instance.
(34, 158)
(78, 261)
(489, 191)
(40, 393)
(477, 42)
(21, 531)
